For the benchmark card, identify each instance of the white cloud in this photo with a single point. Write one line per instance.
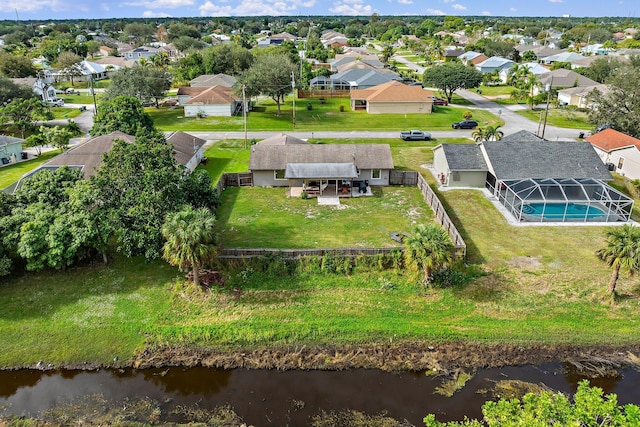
(434, 12)
(254, 7)
(351, 7)
(556, 1)
(105, 7)
(152, 14)
(486, 13)
(513, 9)
(11, 6)
(160, 4)
(457, 6)
(405, 1)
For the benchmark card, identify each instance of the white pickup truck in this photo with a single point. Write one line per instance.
(415, 135)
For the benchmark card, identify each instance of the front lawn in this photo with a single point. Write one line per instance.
(321, 116)
(65, 112)
(258, 217)
(561, 117)
(11, 173)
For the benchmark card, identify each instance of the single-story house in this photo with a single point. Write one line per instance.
(393, 97)
(88, 156)
(578, 96)
(618, 150)
(536, 180)
(563, 78)
(208, 80)
(535, 68)
(210, 101)
(495, 63)
(539, 51)
(562, 57)
(189, 150)
(339, 63)
(331, 38)
(114, 62)
(145, 52)
(319, 169)
(10, 149)
(467, 57)
(363, 78)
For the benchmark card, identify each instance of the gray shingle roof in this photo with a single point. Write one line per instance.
(464, 157)
(522, 136)
(185, 146)
(276, 157)
(545, 159)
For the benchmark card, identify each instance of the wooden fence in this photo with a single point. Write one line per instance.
(233, 253)
(441, 215)
(324, 93)
(241, 179)
(403, 177)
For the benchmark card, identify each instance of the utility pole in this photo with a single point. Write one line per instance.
(546, 112)
(293, 88)
(93, 93)
(244, 115)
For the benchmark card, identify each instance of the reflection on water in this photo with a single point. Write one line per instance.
(278, 398)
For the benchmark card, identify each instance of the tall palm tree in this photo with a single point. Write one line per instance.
(190, 239)
(430, 248)
(622, 251)
(487, 133)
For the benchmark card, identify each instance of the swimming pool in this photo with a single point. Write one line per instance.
(562, 212)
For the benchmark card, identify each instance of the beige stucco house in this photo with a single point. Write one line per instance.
(393, 97)
(620, 151)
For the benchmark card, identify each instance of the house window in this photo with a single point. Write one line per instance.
(279, 174)
(455, 176)
(620, 162)
(376, 173)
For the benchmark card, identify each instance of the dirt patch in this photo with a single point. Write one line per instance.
(525, 262)
(443, 358)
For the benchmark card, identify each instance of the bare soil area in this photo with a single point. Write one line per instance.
(441, 357)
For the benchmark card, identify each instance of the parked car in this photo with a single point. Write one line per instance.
(465, 124)
(70, 91)
(57, 102)
(439, 101)
(415, 135)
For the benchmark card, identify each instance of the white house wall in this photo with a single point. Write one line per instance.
(221, 110)
(267, 179)
(631, 164)
(399, 107)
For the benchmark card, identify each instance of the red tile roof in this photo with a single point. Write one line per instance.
(610, 140)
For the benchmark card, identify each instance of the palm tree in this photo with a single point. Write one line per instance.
(190, 239)
(488, 133)
(622, 251)
(430, 248)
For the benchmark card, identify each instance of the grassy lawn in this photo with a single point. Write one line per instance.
(560, 117)
(80, 99)
(252, 217)
(226, 156)
(11, 173)
(537, 284)
(321, 117)
(65, 112)
(502, 90)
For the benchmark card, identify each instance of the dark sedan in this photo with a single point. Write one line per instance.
(465, 124)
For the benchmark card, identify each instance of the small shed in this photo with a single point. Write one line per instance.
(10, 149)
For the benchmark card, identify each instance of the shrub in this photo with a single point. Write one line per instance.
(342, 108)
(467, 115)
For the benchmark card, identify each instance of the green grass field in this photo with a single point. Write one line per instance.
(11, 173)
(321, 117)
(560, 117)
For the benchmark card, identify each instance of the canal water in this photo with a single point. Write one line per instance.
(281, 398)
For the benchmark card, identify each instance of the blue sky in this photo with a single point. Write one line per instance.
(61, 9)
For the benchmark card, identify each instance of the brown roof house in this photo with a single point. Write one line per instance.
(620, 151)
(209, 101)
(392, 97)
(344, 170)
(88, 156)
(208, 80)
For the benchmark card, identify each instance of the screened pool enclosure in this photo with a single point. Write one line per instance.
(563, 200)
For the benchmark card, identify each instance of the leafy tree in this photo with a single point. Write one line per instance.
(9, 91)
(621, 252)
(269, 75)
(138, 185)
(190, 239)
(56, 136)
(429, 248)
(16, 66)
(178, 30)
(451, 76)
(23, 114)
(226, 58)
(69, 64)
(387, 53)
(524, 83)
(601, 69)
(188, 67)
(590, 407)
(198, 190)
(185, 43)
(139, 82)
(138, 32)
(487, 133)
(93, 47)
(620, 106)
(529, 56)
(122, 113)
